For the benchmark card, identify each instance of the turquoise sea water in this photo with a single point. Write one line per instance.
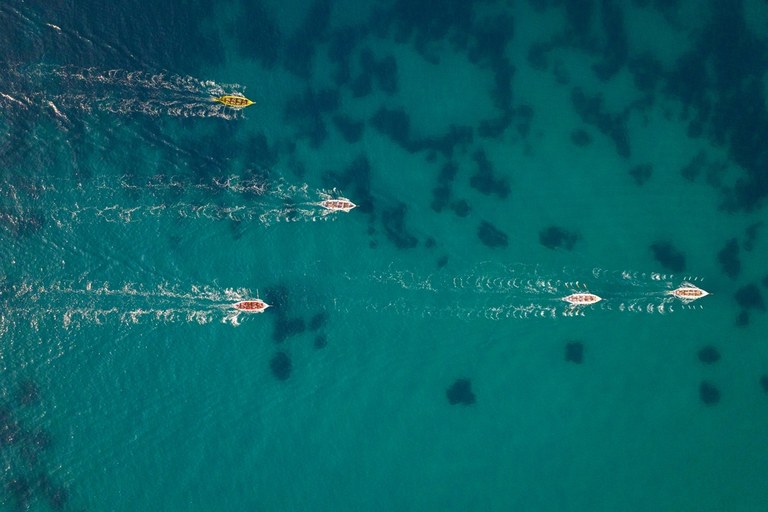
(502, 154)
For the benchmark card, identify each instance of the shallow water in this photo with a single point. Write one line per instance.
(501, 156)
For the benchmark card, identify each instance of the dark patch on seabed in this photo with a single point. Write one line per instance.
(289, 324)
(750, 235)
(749, 298)
(393, 220)
(668, 256)
(718, 81)
(574, 352)
(383, 72)
(355, 178)
(484, 180)
(281, 366)
(641, 173)
(708, 393)
(461, 208)
(555, 237)
(258, 34)
(581, 138)
(285, 326)
(708, 355)
(729, 259)
(350, 129)
(307, 111)
(460, 393)
(441, 194)
(692, 169)
(590, 110)
(742, 319)
(396, 125)
(300, 47)
(359, 69)
(491, 236)
(26, 479)
(764, 383)
(320, 341)
(318, 320)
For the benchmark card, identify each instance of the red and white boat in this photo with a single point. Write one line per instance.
(251, 306)
(340, 204)
(582, 299)
(688, 292)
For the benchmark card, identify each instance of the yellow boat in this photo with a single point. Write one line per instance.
(234, 101)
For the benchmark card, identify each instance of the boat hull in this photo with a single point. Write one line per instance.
(251, 306)
(582, 299)
(234, 101)
(688, 293)
(338, 205)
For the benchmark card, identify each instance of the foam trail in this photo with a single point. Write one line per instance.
(75, 304)
(498, 291)
(120, 91)
(247, 186)
(239, 198)
(126, 215)
(13, 100)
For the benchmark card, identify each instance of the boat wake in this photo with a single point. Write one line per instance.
(491, 291)
(74, 304)
(497, 291)
(469, 309)
(210, 211)
(132, 199)
(64, 89)
(233, 185)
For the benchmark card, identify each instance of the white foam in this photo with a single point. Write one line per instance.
(541, 293)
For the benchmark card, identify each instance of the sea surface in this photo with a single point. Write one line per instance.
(417, 354)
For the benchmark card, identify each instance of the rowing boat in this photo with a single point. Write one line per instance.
(341, 204)
(251, 306)
(582, 299)
(688, 292)
(234, 101)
